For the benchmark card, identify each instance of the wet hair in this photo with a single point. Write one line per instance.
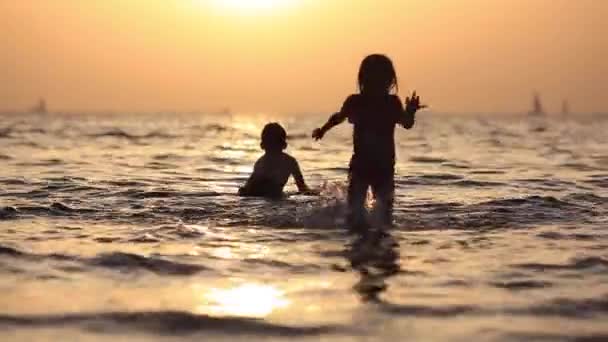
(274, 137)
(377, 73)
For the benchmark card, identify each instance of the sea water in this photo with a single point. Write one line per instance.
(127, 227)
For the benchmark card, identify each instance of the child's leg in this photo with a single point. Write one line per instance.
(357, 193)
(383, 188)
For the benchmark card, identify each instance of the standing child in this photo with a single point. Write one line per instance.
(374, 112)
(273, 169)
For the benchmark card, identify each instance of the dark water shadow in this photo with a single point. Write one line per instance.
(375, 256)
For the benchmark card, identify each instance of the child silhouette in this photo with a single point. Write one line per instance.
(273, 169)
(374, 113)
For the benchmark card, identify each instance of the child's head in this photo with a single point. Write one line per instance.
(274, 138)
(377, 75)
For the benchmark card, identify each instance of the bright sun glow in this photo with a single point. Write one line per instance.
(248, 300)
(253, 5)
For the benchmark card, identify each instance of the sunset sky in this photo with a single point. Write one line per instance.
(296, 56)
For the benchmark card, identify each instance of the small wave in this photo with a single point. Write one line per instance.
(445, 176)
(214, 127)
(30, 144)
(337, 168)
(281, 264)
(456, 166)
(159, 166)
(224, 161)
(430, 179)
(487, 172)
(587, 197)
(132, 262)
(119, 133)
(126, 183)
(106, 239)
(546, 182)
(522, 285)
(475, 184)
(35, 130)
(430, 160)
(5, 132)
(163, 322)
(115, 261)
(235, 148)
(159, 134)
(167, 156)
(600, 181)
(13, 252)
(575, 265)
(45, 162)
(8, 213)
(539, 201)
(113, 133)
(150, 194)
(60, 206)
(428, 311)
(561, 236)
(55, 209)
(5, 157)
(538, 336)
(145, 238)
(580, 167)
(538, 129)
(297, 136)
(309, 148)
(182, 231)
(10, 251)
(13, 181)
(575, 308)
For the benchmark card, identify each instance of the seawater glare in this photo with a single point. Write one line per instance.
(128, 226)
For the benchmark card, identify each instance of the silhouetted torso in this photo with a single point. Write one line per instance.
(270, 174)
(374, 119)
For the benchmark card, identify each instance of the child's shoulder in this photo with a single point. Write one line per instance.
(280, 157)
(352, 98)
(288, 157)
(352, 101)
(289, 161)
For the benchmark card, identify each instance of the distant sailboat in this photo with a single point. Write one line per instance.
(40, 107)
(565, 107)
(537, 106)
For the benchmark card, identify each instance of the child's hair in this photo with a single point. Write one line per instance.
(377, 73)
(274, 137)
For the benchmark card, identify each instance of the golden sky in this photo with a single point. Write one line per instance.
(292, 56)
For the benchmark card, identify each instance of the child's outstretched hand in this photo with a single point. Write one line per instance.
(318, 134)
(412, 104)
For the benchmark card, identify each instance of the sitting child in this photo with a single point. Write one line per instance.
(272, 170)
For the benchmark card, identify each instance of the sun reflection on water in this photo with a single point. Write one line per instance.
(247, 300)
(222, 253)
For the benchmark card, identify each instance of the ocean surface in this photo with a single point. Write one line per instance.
(127, 228)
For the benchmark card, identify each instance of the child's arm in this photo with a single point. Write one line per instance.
(299, 178)
(334, 120)
(412, 105)
(247, 188)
